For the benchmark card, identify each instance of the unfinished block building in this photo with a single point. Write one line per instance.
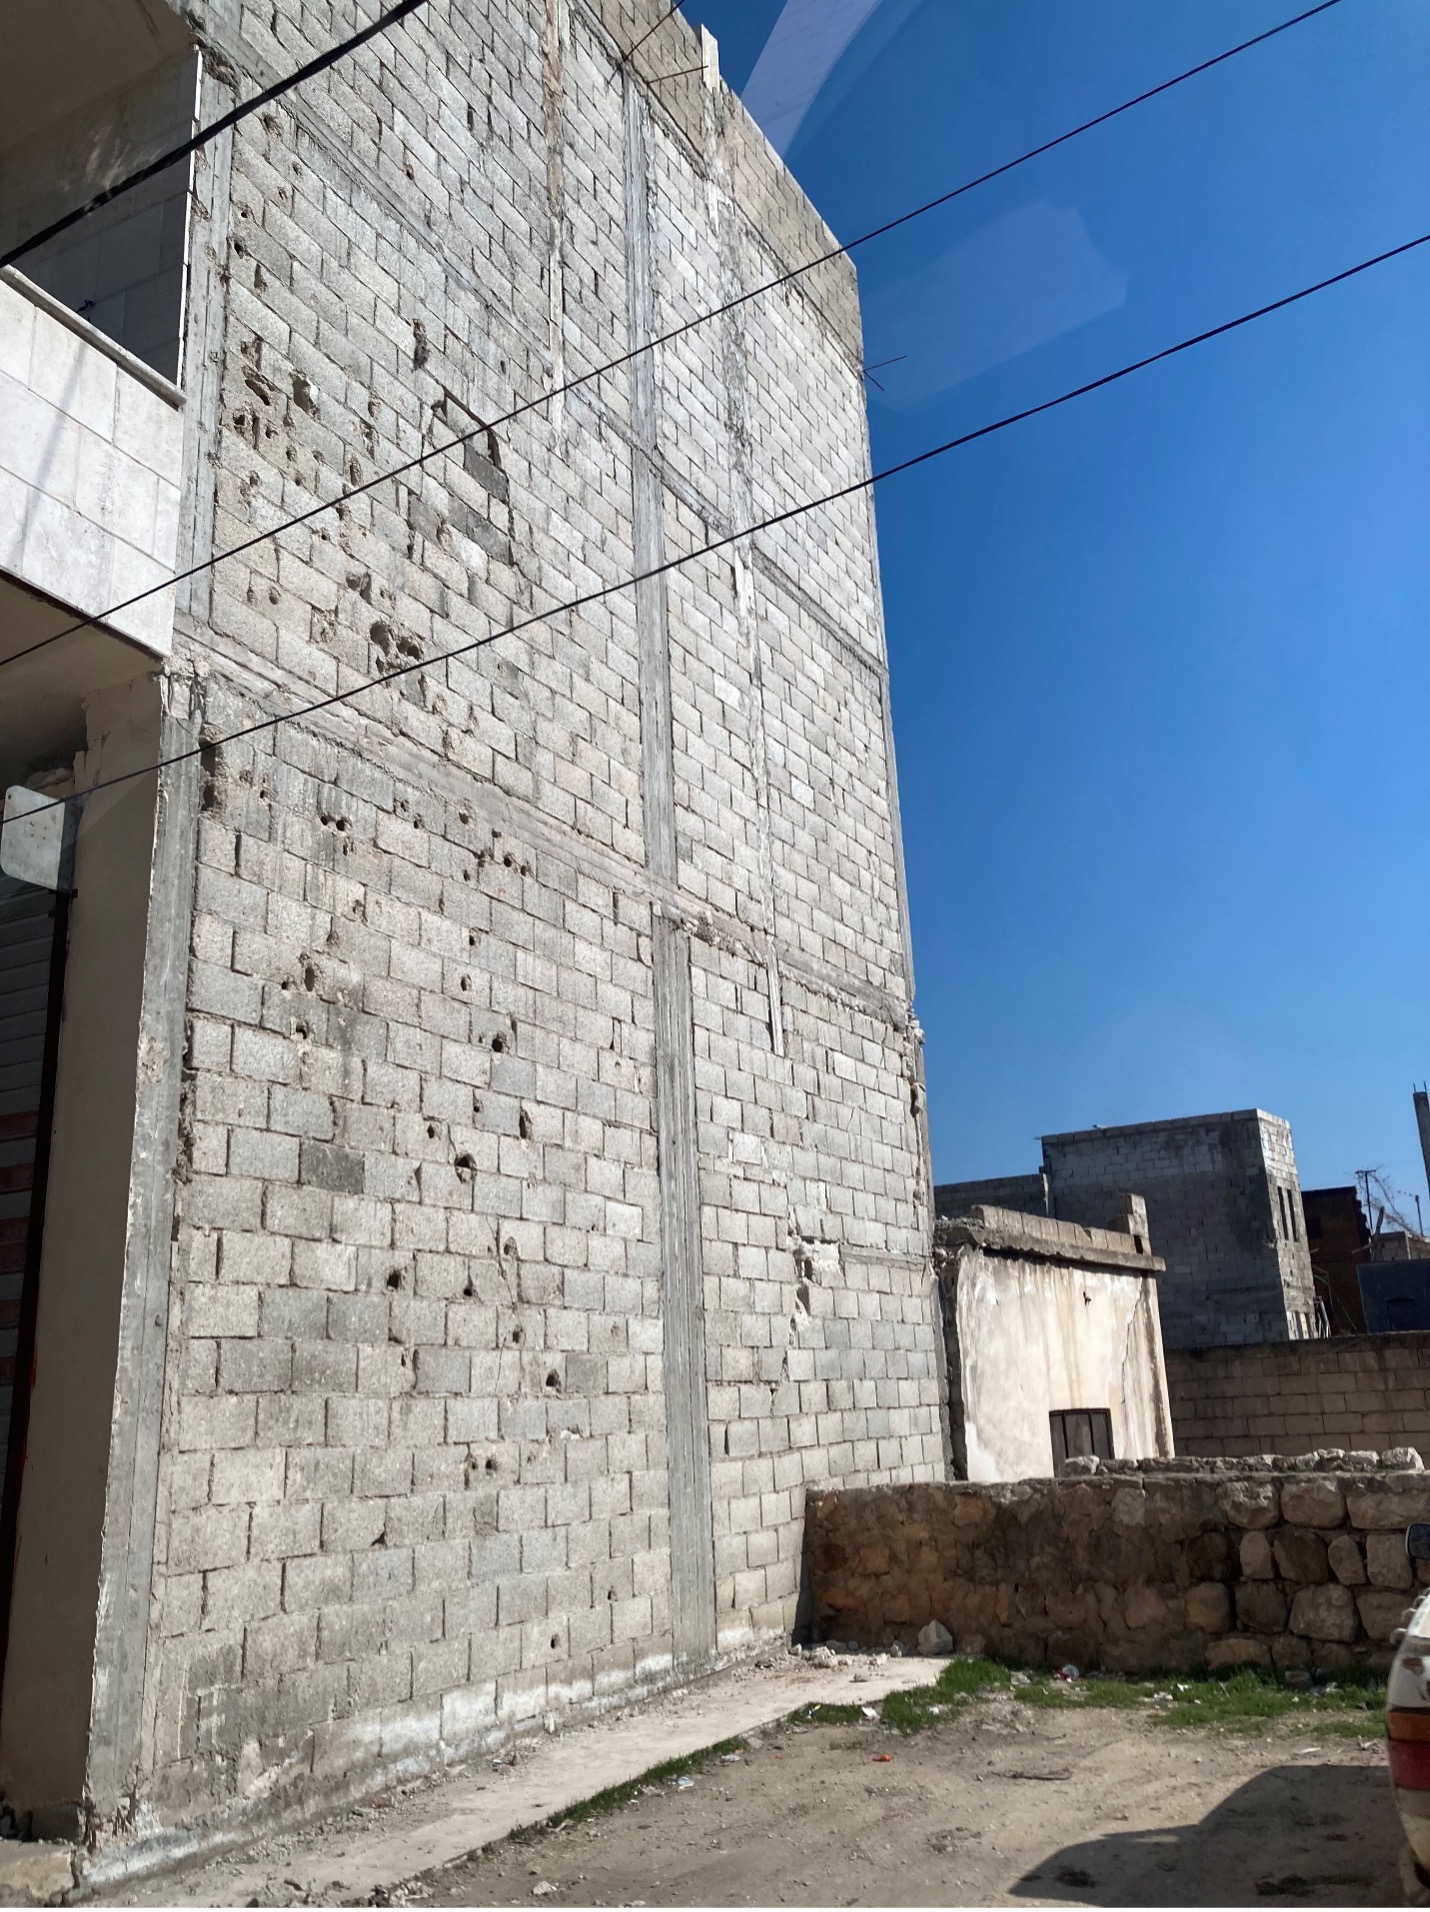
(465, 1153)
(1223, 1205)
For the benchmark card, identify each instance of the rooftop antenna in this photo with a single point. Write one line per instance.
(1422, 1122)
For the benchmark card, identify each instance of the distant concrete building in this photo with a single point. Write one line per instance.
(1395, 1296)
(1053, 1342)
(1027, 1194)
(1339, 1241)
(1224, 1208)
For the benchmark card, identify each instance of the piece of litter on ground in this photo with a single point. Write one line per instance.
(684, 1783)
(869, 1712)
(882, 1759)
(1019, 1679)
(729, 1759)
(542, 1889)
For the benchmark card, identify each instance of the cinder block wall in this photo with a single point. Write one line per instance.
(1353, 1391)
(551, 1162)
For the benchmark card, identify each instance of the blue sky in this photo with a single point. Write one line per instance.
(1159, 660)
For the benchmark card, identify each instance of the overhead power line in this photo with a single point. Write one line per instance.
(625, 58)
(859, 485)
(422, 459)
(220, 125)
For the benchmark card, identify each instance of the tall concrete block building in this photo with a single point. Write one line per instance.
(1223, 1207)
(465, 1152)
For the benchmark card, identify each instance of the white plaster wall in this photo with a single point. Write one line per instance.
(90, 460)
(1036, 1339)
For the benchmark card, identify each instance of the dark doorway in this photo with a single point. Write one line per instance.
(32, 948)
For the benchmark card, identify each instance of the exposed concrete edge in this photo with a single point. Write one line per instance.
(1000, 1232)
(473, 1810)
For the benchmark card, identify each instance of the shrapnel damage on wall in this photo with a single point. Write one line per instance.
(522, 1080)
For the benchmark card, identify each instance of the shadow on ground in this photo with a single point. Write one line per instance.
(1346, 1837)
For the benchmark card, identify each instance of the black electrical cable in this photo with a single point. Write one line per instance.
(765, 524)
(207, 133)
(630, 50)
(422, 459)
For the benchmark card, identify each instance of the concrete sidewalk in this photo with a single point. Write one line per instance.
(356, 1853)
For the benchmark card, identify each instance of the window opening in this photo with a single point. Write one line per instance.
(1081, 1431)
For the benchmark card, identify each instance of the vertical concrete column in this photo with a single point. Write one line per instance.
(127, 1559)
(687, 1415)
(552, 83)
(67, 1519)
(742, 499)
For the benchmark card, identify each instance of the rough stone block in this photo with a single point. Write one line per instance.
(1237, 1650)
(36, 1872)
(1344, 1555)
(1312, 1503)
(1261, 1606)
(1250, 1503)
(1381, 1612)
(1209, 1607)
(1387, 1563)
(1394, 1502)
(1300, 1556)
(1257, 1561)
(1144, 1607)
(1324, 1613)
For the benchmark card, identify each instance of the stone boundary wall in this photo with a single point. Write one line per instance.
(1363, 1390)
(1133, 1568)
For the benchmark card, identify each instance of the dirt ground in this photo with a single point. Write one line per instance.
(1003, 1804)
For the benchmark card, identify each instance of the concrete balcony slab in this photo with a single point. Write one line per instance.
(91, 452)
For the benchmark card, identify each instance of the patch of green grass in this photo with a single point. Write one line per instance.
(1358, 1726)
(1245, 1699)
(612, 1798)
(919, 1707)
(821, 1715)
